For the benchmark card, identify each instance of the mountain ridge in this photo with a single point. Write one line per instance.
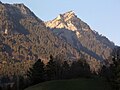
(79, 34)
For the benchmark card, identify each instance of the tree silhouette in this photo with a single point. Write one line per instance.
(112, 73)
(50, 69)
(37, 72)
(65, 70)
(115, 68)
(80, 69)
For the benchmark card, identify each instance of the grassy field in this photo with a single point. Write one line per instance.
(74, 84)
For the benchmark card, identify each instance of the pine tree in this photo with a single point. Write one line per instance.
(65, 70)
(80, 68)
(51, 69)
(115, 68)
(37, 72)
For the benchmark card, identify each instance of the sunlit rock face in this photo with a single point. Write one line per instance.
(79, 34)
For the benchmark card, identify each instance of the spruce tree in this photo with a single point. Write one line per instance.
(51, 69)
(37, 72)
(115, 68)
(112, 73)
(65, 70)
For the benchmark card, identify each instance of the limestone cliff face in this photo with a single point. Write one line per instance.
(79, 34)
(68, 21)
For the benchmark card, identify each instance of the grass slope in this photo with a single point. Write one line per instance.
(74, 84)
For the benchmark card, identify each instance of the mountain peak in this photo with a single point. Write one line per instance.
(60, 17)
(69, 13)
(76, 32)
(68, 20)
(66, 16)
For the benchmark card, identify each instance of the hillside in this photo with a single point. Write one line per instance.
(75, 84)
(79, 34)
(24, 38)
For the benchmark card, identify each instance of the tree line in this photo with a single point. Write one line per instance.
(55, 70)
(60, 70)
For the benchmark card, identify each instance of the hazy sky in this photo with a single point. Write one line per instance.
(103, 16)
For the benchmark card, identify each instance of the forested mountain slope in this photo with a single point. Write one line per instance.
(79, 34)
(25, 38)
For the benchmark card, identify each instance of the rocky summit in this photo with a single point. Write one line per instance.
(74, 31)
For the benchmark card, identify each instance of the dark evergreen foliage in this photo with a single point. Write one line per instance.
(112, 73)
(36, 73)
(52, 69)
(65, 70)
(80, 69)
(55, 70)
(115, 68)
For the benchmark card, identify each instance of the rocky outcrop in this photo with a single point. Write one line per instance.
(79, 34)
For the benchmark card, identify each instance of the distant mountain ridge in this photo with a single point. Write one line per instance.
(79, 34)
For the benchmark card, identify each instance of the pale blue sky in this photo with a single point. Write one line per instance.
(103, 16)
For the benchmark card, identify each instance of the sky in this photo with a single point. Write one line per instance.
(103, 16)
